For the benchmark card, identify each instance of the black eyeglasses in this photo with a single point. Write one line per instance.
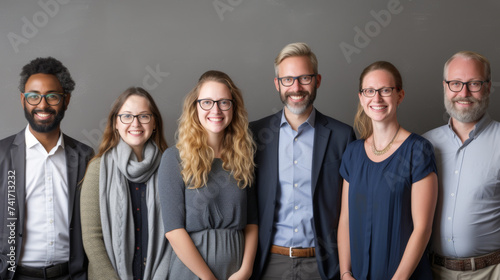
(208, 104)
(51, 98)
(472, 86)
(370, 92)
(303, 80)
(129, 118)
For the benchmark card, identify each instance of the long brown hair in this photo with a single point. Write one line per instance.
(111, 137)
(192, 139)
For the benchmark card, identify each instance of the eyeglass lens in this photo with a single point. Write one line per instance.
(208, 104)
(472, 86)
(35, 98)
(129, 118)
(303, 80)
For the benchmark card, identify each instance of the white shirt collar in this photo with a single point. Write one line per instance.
(31, 140)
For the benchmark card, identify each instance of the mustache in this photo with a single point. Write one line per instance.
(47, 111)
(468, 99)
(301, 93)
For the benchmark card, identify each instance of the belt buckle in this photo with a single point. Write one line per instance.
(290, 252)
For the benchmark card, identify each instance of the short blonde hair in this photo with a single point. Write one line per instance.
(296, 49)
(473, 56)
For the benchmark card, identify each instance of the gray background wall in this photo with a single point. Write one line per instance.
(164, 46)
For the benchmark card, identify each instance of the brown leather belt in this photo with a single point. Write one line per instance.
(44, 272)
(464, 264)
(293, 252)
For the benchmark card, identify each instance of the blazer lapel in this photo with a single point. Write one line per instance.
(72, 164)
(273, 163)
(18, 157)
(321, 137)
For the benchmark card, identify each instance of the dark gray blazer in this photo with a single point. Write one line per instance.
(330, 140)
(12, 205)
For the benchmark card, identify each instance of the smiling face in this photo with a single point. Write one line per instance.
(465, 106)
(380, 108)
(135, 134)
(44, 118)
(298, 99)
(214, 120)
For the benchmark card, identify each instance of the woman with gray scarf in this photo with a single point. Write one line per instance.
(122, 225)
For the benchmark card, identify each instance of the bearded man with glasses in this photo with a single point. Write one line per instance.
(465, 240)
(298, 184)
(40, 172)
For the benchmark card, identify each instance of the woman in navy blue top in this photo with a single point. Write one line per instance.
(390, 187)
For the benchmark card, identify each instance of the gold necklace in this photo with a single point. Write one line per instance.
(381, 152)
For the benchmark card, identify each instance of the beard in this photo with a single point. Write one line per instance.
(44, 126)
(468, 115)
(300, 107)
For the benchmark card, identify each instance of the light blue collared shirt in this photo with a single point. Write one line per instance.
(467, 221)
(294, 214)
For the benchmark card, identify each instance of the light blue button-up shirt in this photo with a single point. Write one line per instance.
(467, 222)
(294, 214)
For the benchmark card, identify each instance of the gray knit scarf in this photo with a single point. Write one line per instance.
(117, 167)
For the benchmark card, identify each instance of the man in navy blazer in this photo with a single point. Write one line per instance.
(298, 184)
(40, 172)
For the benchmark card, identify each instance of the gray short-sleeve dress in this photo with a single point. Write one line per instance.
(214, 216)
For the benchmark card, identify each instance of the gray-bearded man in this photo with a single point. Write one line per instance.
(466, 233)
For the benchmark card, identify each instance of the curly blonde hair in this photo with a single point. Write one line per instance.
(192, 140)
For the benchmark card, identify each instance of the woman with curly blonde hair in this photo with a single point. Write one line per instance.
(209, 209)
